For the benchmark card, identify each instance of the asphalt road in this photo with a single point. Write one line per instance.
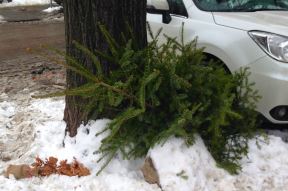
(20, 69)
(17, 37)
(23, 13)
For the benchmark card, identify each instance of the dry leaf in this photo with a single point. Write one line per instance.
(50, 167)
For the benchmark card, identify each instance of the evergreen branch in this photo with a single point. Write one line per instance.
(73, 65)
(121, 92)
(110, 40)
(112, 154)
(104, 56)
(90, 54)
(116, 124)
(79, 91)
(142, 93)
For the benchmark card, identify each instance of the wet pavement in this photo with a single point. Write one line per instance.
(17, 37)
(20, 69)
(29, 27)
(23, 13)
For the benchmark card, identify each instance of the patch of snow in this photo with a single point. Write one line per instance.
(283, 134)
(265, 168)
(49, 136)
(181, 168)
(46, 106)
(1, 19)
(188, 168)
(52, 9)
(193, 168)
(24, 3)
(7, 110)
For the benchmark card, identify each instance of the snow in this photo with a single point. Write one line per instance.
(1, 19)
(24, 3)
(7, 110)
(180, 167)
(49, 135)
(186, 169)
(52, 9)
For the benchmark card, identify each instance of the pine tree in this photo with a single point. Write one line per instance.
(163, 91)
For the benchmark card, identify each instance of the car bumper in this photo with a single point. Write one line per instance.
(271, 78)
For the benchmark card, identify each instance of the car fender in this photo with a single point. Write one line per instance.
(234, 52)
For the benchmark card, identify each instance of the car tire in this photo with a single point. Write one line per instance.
(59, 2)
(1, 1)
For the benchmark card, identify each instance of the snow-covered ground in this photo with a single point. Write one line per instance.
(48, 132)
(180, 168)
(24, 3)
(52, 9)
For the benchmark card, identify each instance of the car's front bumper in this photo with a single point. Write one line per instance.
(271, 78)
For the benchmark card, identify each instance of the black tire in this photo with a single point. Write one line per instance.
(1, 1)
(59, 2)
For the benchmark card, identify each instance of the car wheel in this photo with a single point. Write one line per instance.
(210, 57)
(59, 2)
(1, 1)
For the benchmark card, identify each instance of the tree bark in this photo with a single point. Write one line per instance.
(82, 18)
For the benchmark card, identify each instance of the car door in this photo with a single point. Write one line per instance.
(173, 29)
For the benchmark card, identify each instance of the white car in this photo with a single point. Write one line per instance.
(240, 33)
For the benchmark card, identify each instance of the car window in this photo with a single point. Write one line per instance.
(177, 7)
(242, 5)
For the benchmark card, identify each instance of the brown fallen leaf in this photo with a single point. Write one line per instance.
(21, 171)
(50, 167)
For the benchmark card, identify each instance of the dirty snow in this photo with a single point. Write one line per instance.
(52, 9)
(24, 3)
(7, 110)
(180, 168)
(1, 19)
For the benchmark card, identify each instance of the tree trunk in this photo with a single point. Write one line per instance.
(81, 24)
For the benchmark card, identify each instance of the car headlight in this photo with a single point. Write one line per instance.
(274, 45)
